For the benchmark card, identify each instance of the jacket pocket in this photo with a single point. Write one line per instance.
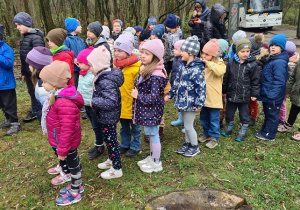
(55, 136)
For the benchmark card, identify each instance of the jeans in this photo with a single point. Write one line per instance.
(126, 132)
(269, 128)
(95, 126)
(209, 118)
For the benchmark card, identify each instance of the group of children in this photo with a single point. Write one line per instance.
(132, 84)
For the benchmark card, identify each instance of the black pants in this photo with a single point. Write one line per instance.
(76, 78)
(293, 114)
(243, 112)
(30, 88)
(8, 103)
(168, 67)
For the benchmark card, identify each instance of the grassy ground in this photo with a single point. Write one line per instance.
(266, 173)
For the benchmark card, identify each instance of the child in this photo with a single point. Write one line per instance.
(128, 63)
(138, 30)
(237, 36)
(158, 31)
(106, 106)
(189, 92)
(152, 22)
(214, 71)
(110, 41)
(243, 72)
(55, 39)
(74, 42)
(292, 92)
(117, 29)
(30, 38)
(273, 83)
(148, 95)
(8, 97)
(61, 121)
(145, 35)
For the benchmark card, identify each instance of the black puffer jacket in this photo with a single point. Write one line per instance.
(33, 38)
(241, 81)
(213, 29)
(197, 29)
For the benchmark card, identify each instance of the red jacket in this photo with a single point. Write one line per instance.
(63, 121)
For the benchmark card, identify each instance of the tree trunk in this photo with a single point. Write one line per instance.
(46, 15)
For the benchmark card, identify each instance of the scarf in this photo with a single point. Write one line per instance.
(237, 59)
(126, 62)
(54, 51)
(83, 73)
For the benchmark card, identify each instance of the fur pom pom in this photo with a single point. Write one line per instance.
(259, 38)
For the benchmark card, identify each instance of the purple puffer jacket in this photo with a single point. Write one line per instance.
(63, 121)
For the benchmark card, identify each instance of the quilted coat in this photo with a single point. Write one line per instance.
(293, 86)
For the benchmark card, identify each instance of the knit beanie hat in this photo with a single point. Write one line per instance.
(145, 34)
(99, 58)
(71, 24)
(212, 47)
(191, 45)
(39, 57)
(265, 46)
(256, 42)
(171, 21)
(129, 35)
(105, 32)
(152, 21)
(1, 32)
(96, 28)
(178, 44)
(223, 45)
(130, 30)
(82, 56)
(124, 43)
(24, 19)
(159, 30)
(290, 47)
(57, 74)
(156, 47)
(57, 36)
(119, 21)
(238, 35)
(243, 43)
(138, 28)
(279, 40)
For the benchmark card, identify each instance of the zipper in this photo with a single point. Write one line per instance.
(55, 136)
(237, 81)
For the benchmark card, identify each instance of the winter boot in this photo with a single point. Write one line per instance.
(228, 129)
(242, 132)
(285, 128)
(97, 152)
(179, 121)
(161, 134)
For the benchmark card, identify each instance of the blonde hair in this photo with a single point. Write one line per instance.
(52, 97)
(150, 68)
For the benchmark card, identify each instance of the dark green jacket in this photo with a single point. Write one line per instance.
(293, 86)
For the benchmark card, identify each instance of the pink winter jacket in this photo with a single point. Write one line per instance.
(63, 121)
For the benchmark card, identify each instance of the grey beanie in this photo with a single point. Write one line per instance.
(96, 28)
(191, 45)
(24, 19)
(1, 32)
(238, 36)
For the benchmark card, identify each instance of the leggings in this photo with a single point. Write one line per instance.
(190, 133)
(293, 114)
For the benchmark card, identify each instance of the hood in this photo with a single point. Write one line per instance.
(71, 93)
(203, 5)
(101, 40)
(115, 75)
(216, 12)
(196, 61)
(284, 56)
(36, 31)
(295, 58)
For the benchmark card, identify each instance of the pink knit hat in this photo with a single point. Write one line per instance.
(81, 57)
(156, 47)
(99, 58)
(178, 44)
(212, 47)
(124, 42)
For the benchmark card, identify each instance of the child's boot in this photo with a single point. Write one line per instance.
(97, 152)
(228, 129)
(242, 132)
(179, 121)
(285, 128)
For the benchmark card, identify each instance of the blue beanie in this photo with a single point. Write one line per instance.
(279, 40)
(71, 24)
(223, 45)
(138, 28)
(171, 21)
(1, 32)
(152, 21)
(24, 19)
(159, 30)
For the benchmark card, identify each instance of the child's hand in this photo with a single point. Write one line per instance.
(134, 93)
(61, 157)
(167, 99)
(91, 104)
(23, 79)
(253, 98)
(196, 110)
(287, 95)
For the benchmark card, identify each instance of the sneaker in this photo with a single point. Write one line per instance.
(99, 151)
(84, 116)
(252, 121)
(151, 166)
(5, 124)
(61, 178)
(144, 161)
(55, 170)
(285, 128)
(123, 150)
(203, 139)
(296, 137)
(132, 153)
(112, 173)
(82, 110)
(68, 189)
(192, 151)
(261, 137)
(30, 117)
(212, 143)
(105, 165)
(184, 148)
(92, 150)
(14, 129)
(68, 199)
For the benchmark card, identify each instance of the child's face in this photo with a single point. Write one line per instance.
(146, 57)
(138, 34)
(177, 53)
(151, 27)
(83, 66)
(223, 17)
(48, 87)
(52, 45)
(92, 69)
(206, 56)
(120, 54)
(153, 36)
(117, 27)
(22, 29)
(168, 29)
(90, 35)
(185, 56)
(275, 50)
(78, 29)
(243, 54)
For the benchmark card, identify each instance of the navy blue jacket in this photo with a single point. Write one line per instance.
(106, 101)
(7, 58)
(273, 79)
(177, 61)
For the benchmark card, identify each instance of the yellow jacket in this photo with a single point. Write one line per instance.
(130, 73)
(214, 78)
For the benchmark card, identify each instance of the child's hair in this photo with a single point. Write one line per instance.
(35, 75)
(150, 68)
(52, 97)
